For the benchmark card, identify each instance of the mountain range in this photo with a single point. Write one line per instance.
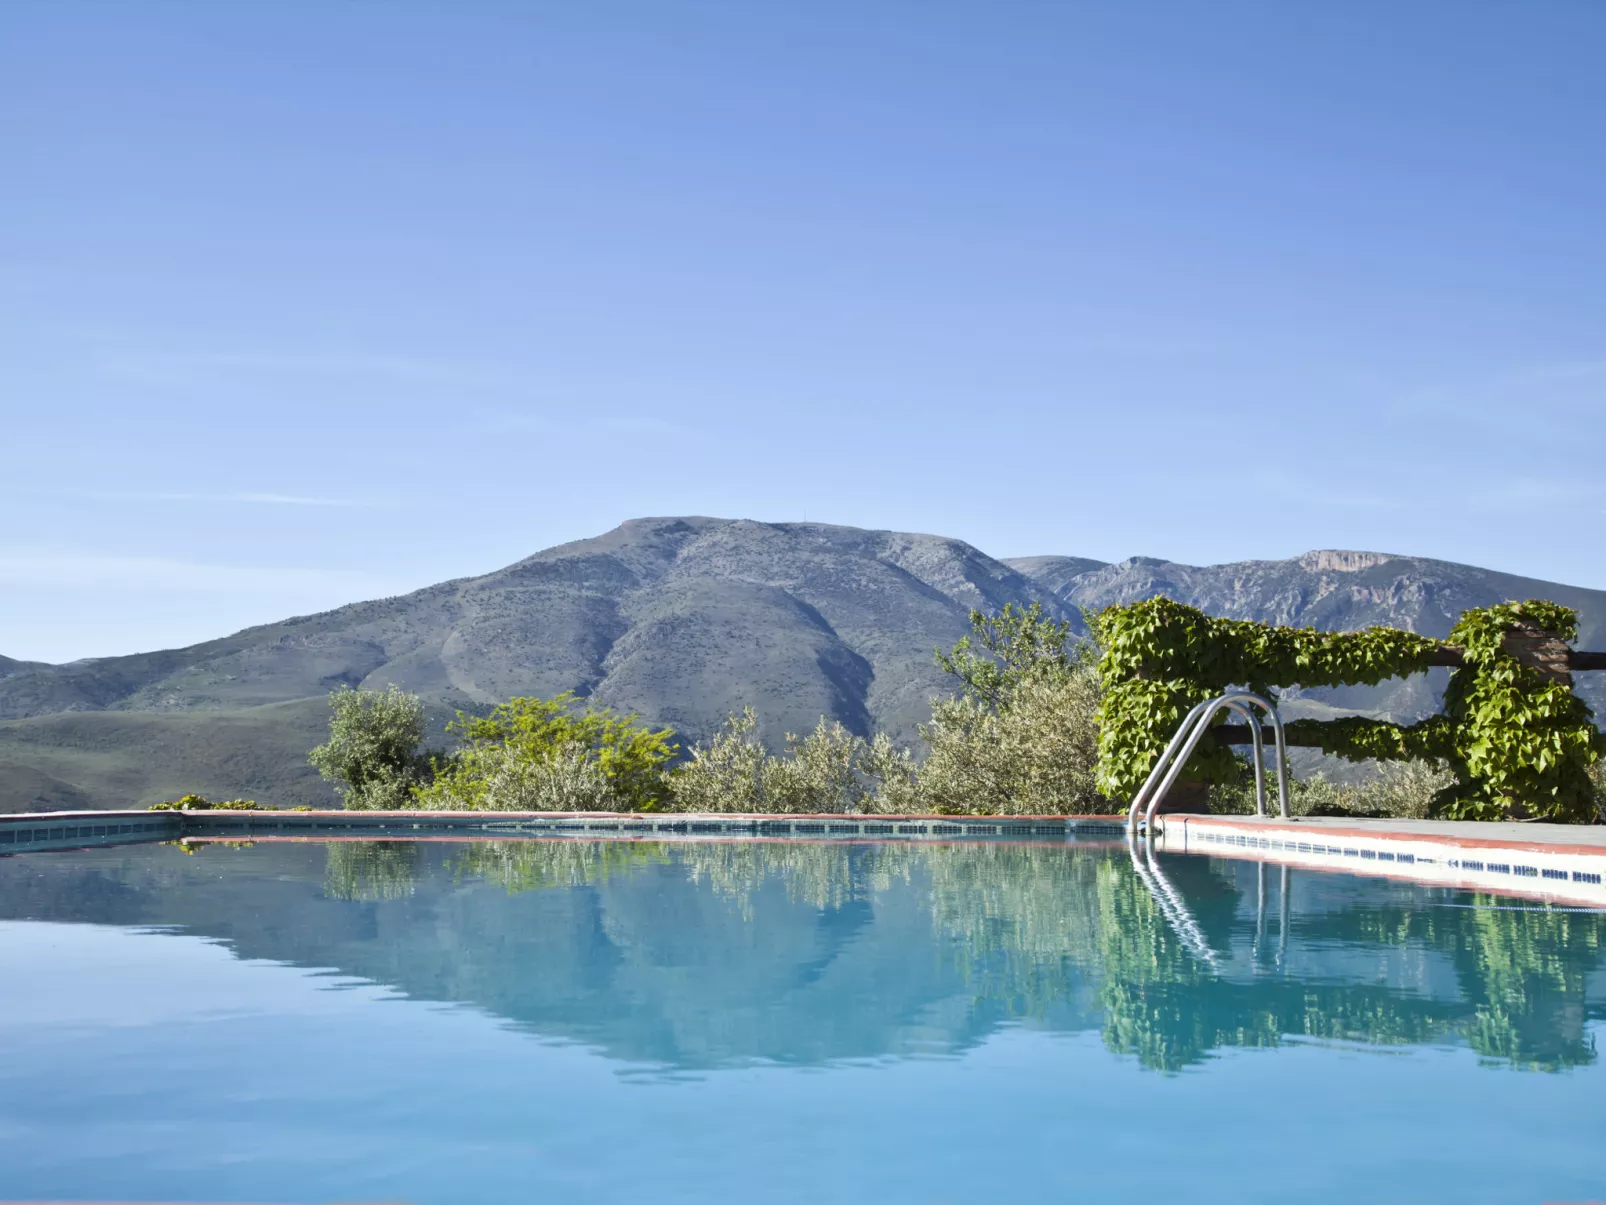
(681, 620)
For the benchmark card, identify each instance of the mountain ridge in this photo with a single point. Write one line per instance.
(679, 619)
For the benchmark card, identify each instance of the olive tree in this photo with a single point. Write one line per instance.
(373, 753)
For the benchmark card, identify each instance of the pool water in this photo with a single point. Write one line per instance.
(580, 1021)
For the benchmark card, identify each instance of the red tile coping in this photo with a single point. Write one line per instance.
(414, 814)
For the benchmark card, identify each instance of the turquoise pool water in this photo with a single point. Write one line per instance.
(475, 1021)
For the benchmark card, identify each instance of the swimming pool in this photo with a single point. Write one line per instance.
(790, 1021)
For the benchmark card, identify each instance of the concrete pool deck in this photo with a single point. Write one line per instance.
(1556, 863)
(1562, 864)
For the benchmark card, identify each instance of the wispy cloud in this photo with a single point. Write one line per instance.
(1314, 490)
(207, 366)
(246, 498)
(1553, 396)
(584, 421)
(45, 569)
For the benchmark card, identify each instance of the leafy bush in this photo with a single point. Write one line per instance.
(1020, 738)
(726, 773)
(1037, 754)
(196, 803)
(566, 778)
(1399, 791)
(373, 755)
(826, 771)
(552, 755)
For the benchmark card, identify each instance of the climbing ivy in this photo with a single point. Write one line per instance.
(1520, 744)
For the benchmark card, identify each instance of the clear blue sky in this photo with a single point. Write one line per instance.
(307, 302)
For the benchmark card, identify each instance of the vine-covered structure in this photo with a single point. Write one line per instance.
(1518, 739)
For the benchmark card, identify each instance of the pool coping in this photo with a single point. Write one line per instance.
(1565, 865)
(71, 830)
(1555, 863)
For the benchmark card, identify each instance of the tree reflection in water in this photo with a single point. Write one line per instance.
(371, 870)
(1028, 927)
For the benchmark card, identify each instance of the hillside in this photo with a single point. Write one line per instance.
(682, 620)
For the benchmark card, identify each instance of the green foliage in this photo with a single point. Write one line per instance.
(1019, 739)
(1162, 640)
(1523, 743)
(1161, 658)
(552, 755)
(822, 772)
(373, 752)
(1017, 644)
(1518, 743)
(829, 771)
(726, 773)
(1038, 754)
(197, 803)
(1401, 790)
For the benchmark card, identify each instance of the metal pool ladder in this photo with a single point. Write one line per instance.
(1188, 736)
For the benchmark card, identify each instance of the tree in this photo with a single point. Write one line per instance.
(1017, 644)
(553, 755)
(830, 771)
(1022, 735)
(373, 752)
(1035, 754)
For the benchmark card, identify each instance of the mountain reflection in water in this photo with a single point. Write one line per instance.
(693, 955)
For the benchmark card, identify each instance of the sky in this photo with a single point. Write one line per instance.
(302, 303)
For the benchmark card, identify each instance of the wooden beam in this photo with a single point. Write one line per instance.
(1577, 659)
(1239, 734)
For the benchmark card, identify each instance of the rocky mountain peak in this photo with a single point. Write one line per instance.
(1335, 560)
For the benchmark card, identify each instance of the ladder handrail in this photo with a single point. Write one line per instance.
(1281, 738)
(1187, 737)
(1153, 779)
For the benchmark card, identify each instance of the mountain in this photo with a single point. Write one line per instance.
(682, 620)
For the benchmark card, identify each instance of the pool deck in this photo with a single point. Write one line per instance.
(1556, 863)
(1559, 864)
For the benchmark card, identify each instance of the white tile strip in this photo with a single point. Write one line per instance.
(1562, 873)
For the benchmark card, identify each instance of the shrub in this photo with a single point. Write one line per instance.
(726, 773)
(372, 754)
(1399, 790)
(552, 755)
(829, 771)
(1022, 736)
(197, 803)
(1017, 644)
(564, 779)
(1036, 754)
(822, 772)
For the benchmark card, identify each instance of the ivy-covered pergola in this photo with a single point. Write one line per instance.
(1519, 741)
